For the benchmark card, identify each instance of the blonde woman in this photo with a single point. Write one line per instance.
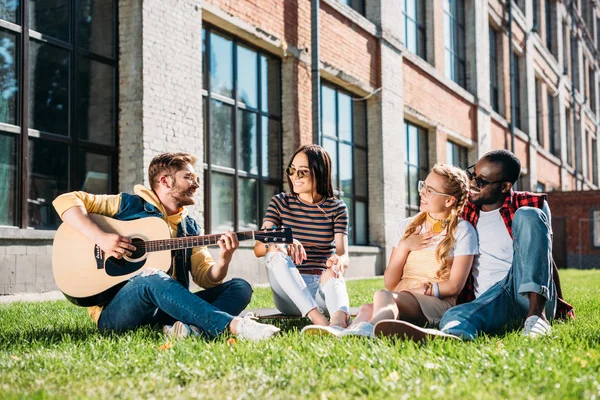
(430, 264)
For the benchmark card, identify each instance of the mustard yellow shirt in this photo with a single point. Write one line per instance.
(108, 205)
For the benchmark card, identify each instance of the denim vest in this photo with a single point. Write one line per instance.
(134, 207)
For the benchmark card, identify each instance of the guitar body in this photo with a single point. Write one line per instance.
(86, 276)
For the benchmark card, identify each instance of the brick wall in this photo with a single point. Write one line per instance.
(574, 208)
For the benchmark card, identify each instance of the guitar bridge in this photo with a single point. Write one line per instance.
(99, 257)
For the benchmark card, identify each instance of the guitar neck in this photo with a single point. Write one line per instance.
(191, 241)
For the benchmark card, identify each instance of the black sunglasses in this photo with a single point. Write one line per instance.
(479, 182)
(300, 173)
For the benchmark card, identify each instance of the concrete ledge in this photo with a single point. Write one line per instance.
(26, 234)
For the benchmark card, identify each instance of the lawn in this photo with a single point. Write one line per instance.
(52, 350)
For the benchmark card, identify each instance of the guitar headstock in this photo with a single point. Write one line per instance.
(275, 235)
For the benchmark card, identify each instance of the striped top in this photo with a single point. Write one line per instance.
(314, 225)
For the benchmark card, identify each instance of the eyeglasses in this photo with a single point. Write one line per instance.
(300, 173)
(429, 192)
(479, 182)
(191, 178)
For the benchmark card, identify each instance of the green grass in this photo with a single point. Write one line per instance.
(52, 350)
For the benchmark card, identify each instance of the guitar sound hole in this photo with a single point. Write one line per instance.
(140, 249)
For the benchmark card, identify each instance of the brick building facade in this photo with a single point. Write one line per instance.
(403, 85)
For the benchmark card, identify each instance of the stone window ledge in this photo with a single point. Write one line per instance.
(25, 234)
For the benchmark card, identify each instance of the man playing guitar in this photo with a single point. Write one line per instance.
(153, 296)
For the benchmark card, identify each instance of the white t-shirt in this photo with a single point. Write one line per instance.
(465, 238)
(495, 251)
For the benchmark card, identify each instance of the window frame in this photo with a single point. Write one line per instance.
(516, 94)
(422, 135)
(457, 56)
(552, 144)
(352, 217)
(421, 28)
(75, 144)
(457, 150)
(494, 73)
(237, 107)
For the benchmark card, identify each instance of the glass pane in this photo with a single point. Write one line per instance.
(248, 205)
(271, 95)
(95, 108)
(360, 168)
(412, 145)
(204, 129)
(268, 192)
(9, 86)
(449, 153)
(221, 203)
(221, 65)
(411, 36)
(361, 223)
(348, 201)
(96, 26)
(407, 187)
(9, 10)
(271, 138)
(346, 172)
(48, 177)
(413, 174)
(423, 156)
(360, 123)
(345, 117)
(8, 180)
(50, 17)
(331, 147)
(248, 153)
(95, 177)
(204, 80)
(247, 77)
(410, 8)
(221, 134)
(328, 111)
(48, 88)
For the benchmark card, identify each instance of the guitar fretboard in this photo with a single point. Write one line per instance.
(191, 241)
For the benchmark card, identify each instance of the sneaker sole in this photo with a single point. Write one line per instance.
(180, 331)
(407, 331)
(318, 331)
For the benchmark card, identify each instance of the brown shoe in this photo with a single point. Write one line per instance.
(407, 331)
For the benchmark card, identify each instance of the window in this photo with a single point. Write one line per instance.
(456, 155)
(552, 126)
(539, 128)
(569, 137)
(536, 15)
(454, 41)
(540, 187)
(64, 125)
(515, 94)
(242, 132)
(344, 136)
(417, 165)
(414, 25)
(494, 92)
(592, 89)
(596, 222)
(549, 18)
(595, 161)
(566, 49)
(357, 5)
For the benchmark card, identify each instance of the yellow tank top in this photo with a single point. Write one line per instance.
(421, 267)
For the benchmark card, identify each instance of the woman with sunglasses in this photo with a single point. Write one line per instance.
(306, 276)
(431, 261)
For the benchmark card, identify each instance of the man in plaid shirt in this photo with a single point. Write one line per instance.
(512, 278)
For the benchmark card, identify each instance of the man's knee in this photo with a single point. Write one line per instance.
(242, 288)
(529, 215)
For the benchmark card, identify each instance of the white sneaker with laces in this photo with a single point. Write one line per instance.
(364, 329)
(179, 330)
(249, 329)
(536, 326)
(321, 330)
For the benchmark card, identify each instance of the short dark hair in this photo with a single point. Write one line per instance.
(319, 164)
(511, 166)
(171, 162)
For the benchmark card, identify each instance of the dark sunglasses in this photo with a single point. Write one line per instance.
(479, 182)
(300, 173)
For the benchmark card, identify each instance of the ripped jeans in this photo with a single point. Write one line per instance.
(296, 294)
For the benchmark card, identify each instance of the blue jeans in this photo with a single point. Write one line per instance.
(159, 299)
(506, 303)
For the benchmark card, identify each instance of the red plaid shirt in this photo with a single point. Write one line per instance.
(512, 203)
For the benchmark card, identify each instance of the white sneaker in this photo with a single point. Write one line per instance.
(321, 330)
(365, 329)
(249, 329)
(179, 330)
(536, 326)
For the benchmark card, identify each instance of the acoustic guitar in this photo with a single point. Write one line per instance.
(87, 277)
